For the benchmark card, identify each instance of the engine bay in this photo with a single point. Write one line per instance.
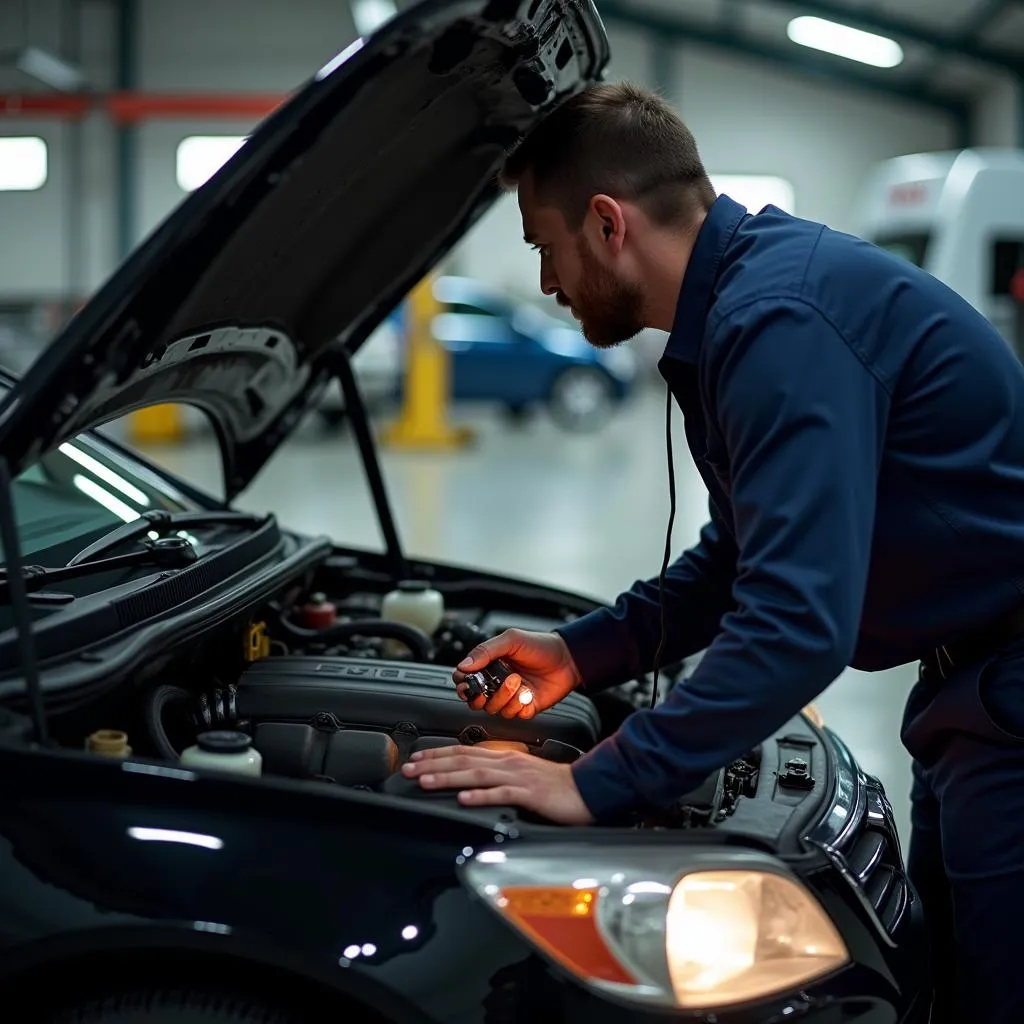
(328, 685)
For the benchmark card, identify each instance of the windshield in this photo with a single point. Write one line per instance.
(78, 492)
(911, 247)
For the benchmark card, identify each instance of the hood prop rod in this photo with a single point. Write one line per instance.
(20, 605)
(355, 409)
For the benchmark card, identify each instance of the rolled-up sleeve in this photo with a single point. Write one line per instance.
(614, 644)
(803, 422)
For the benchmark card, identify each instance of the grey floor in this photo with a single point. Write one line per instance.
(582, 512)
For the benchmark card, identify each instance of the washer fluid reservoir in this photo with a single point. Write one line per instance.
(415, 603)
(223, 750)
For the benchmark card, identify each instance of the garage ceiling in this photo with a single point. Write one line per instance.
(954, 50)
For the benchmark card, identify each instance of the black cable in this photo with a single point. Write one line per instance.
(158, 700)
(415, 639)
(668, 543)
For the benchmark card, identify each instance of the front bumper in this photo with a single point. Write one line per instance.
(854, 865)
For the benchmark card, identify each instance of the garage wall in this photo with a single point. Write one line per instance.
(747, 120)
(64, 231)
(998, 116)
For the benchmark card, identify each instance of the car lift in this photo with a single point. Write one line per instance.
(422, 422)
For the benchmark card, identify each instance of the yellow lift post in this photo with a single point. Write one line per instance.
(158, 424)
(422, 422)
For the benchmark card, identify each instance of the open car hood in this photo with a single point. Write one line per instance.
(337, 204)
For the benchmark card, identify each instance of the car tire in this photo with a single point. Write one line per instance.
(171, 1006)
(581, 399)
(517, 413)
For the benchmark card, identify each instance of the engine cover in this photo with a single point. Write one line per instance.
(354, 720)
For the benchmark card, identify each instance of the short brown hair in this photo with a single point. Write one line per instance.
(619, 139)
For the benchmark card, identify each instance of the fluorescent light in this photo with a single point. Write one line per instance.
(105, 498)
(844, 41)
(200, 157)
(169, 835)
(369, 15)
(105, 474)
(50, 70)
(22, 163)
(756, 191)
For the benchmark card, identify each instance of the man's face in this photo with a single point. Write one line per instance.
(582, 272)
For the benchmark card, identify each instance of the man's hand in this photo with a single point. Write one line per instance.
(541, 664)
(487, 777)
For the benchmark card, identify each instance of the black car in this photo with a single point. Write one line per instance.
(140, 618)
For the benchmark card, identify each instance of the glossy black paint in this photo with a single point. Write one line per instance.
(319, 884)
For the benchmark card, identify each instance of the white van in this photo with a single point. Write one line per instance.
(960, 216)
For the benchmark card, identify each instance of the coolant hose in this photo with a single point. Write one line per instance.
(415, 639)
(158, 700)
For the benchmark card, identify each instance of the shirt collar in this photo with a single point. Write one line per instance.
(713, 239)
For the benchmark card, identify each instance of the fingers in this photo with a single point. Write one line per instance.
(496, 795)
(497, 647)
(523, 705)
(461, 754)
(477, 703)
(506, 692)
(472, 768)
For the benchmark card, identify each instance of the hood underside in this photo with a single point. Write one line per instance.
(331, 211)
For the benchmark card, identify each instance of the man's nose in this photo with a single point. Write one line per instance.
(548, 278)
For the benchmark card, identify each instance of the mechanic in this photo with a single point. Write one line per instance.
(860, 430)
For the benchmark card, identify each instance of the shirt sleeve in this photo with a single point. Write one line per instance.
(803, 423)
(614, 644)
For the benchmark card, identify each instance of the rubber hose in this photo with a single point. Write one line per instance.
(417, 641)
(158, 700)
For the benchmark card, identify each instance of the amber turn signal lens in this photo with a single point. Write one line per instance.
(563, 922)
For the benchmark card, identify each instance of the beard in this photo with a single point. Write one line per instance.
(609, 311)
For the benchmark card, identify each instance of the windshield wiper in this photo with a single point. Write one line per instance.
(161, 522)
(166, 552)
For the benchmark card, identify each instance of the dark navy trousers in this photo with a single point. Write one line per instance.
(966, 856)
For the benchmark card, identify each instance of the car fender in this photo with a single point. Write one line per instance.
(157, 953)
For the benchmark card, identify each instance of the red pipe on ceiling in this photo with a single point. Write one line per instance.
(43, 105)
(132, 107)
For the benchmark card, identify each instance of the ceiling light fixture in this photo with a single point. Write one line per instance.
(843, 41)
(369, 15)
(49, 69)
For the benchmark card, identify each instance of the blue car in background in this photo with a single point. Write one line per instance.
(519, 356)
(505, 352)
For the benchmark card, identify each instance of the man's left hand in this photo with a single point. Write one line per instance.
(487, 777)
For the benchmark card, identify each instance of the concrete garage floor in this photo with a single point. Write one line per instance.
(581, 512)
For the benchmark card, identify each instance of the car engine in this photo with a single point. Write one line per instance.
(329, 690)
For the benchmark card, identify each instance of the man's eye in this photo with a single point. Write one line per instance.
(542, 249)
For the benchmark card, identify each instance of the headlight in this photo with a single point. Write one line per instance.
(690, 929)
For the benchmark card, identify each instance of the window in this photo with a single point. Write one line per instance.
(756, 191)
(23, 165)
(75, 493)
(912, 247)
(1005, 306)
(1007, 263)
(201, 156)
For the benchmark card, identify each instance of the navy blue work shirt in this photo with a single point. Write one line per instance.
(860, 430)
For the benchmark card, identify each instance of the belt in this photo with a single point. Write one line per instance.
(976, 645)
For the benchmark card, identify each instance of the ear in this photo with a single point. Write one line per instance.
(607, 224)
